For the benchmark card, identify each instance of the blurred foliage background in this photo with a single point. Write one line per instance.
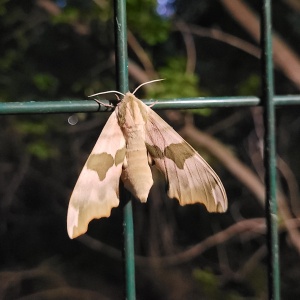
(56, 50)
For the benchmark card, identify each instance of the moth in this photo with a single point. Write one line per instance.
(133, 139)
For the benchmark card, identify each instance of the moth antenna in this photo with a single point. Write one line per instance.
(155, 80)
(107, 92)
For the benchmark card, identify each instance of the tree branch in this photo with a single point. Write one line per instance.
(284, 57)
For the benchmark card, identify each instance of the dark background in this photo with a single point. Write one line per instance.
(57, 50)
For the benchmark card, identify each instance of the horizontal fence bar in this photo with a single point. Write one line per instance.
(73, 106)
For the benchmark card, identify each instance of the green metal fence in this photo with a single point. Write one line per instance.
(268, 101)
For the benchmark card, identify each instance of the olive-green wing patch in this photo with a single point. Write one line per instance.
(100, 163)
(120, 155)
(179, 153)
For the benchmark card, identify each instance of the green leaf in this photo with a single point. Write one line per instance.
(41, 150)
(29, 127)
(143, 20)
(251, 86)
(45, 82)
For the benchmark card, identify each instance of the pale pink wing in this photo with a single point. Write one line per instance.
(190, 179)
(97, 189)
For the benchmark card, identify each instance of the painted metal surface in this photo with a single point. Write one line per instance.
(270, 151)
(120, 26)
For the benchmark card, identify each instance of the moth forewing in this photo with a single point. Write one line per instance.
(97, 189)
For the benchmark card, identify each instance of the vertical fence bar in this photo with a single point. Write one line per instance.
(120, 26)
(270, 151)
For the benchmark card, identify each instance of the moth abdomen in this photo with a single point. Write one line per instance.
(137, 175)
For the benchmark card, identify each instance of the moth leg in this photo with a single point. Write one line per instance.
(117, 96)
(151, 105)
(104, 104)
